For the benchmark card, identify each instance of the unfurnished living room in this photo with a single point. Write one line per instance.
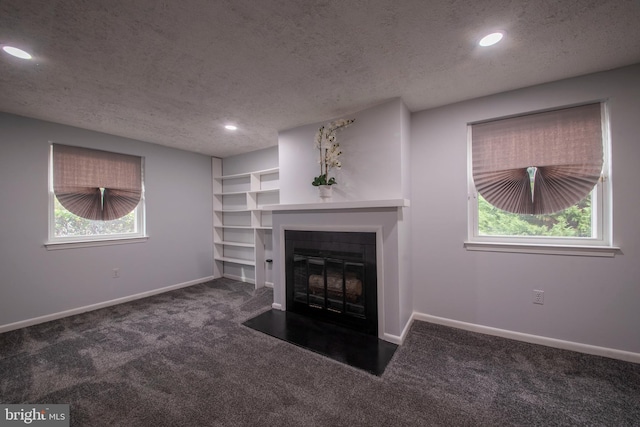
(319, 213)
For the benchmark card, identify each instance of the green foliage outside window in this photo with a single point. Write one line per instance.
(571, 222)
(68, 224)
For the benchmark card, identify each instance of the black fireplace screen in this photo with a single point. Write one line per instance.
(332, 276)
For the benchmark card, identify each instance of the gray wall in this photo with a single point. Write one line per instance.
(35, 282)
(588, 300)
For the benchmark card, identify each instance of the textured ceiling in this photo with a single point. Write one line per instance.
(174, 72)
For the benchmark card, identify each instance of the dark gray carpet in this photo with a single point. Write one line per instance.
(184, 359)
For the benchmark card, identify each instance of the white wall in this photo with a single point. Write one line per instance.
(376, 153)
(251, 162)
(404, 224)
(594, 301)
(371, 159)
(35, 282)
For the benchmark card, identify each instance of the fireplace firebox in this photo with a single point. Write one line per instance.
(331, 276)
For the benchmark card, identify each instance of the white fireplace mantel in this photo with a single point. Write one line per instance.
(357, 204)
(387, 218)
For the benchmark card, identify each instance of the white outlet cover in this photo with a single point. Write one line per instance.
(538, 297)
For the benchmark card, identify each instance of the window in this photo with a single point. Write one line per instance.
(94, 196)
(540, 179)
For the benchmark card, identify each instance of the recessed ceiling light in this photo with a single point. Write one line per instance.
(491, 39)
(230, 127)
(19, 53)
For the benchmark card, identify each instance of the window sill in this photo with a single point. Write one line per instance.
(531, 248)
(52, 246)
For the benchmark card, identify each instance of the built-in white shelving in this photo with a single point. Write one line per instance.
(242, 233)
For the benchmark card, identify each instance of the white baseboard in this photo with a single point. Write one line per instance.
(533, 339)
(405, 331)
(395, 339)
(79, 310)
(268, 285)
(391, 338)
(276, 306)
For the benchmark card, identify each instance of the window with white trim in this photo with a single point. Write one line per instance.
(94, 195)
(541, 178)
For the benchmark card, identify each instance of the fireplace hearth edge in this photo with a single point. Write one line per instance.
(341, 344)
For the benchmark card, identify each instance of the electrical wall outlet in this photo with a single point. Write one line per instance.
(538, 297)
(115, 273)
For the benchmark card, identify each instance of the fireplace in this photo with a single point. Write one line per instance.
(387, 293)
(331, 276)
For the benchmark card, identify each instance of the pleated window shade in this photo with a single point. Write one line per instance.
(540, 163)
(94, 184)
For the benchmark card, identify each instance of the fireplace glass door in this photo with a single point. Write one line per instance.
(334, 281)
(330, 284)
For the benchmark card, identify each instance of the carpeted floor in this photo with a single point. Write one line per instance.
(184, 359)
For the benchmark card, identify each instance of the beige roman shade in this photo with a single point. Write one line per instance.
(557, 153)
(94, 184)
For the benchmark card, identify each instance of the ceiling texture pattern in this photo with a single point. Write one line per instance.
(174, 72)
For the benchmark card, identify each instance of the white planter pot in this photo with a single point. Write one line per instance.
(325, 191)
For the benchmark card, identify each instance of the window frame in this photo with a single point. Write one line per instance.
(66, 242)
(599, 244)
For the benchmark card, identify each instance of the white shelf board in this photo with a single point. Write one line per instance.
(238, 244)
(239, 227)
(258, 209)
(358, 204)
(236, 261)
(271, 190)
(243, 175)
(231, 193)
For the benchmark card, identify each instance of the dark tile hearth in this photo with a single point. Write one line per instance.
(344, 345)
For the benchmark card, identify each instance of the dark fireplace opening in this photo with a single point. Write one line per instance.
(331, 276)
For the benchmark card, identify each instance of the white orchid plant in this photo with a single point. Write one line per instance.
(329, 150)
